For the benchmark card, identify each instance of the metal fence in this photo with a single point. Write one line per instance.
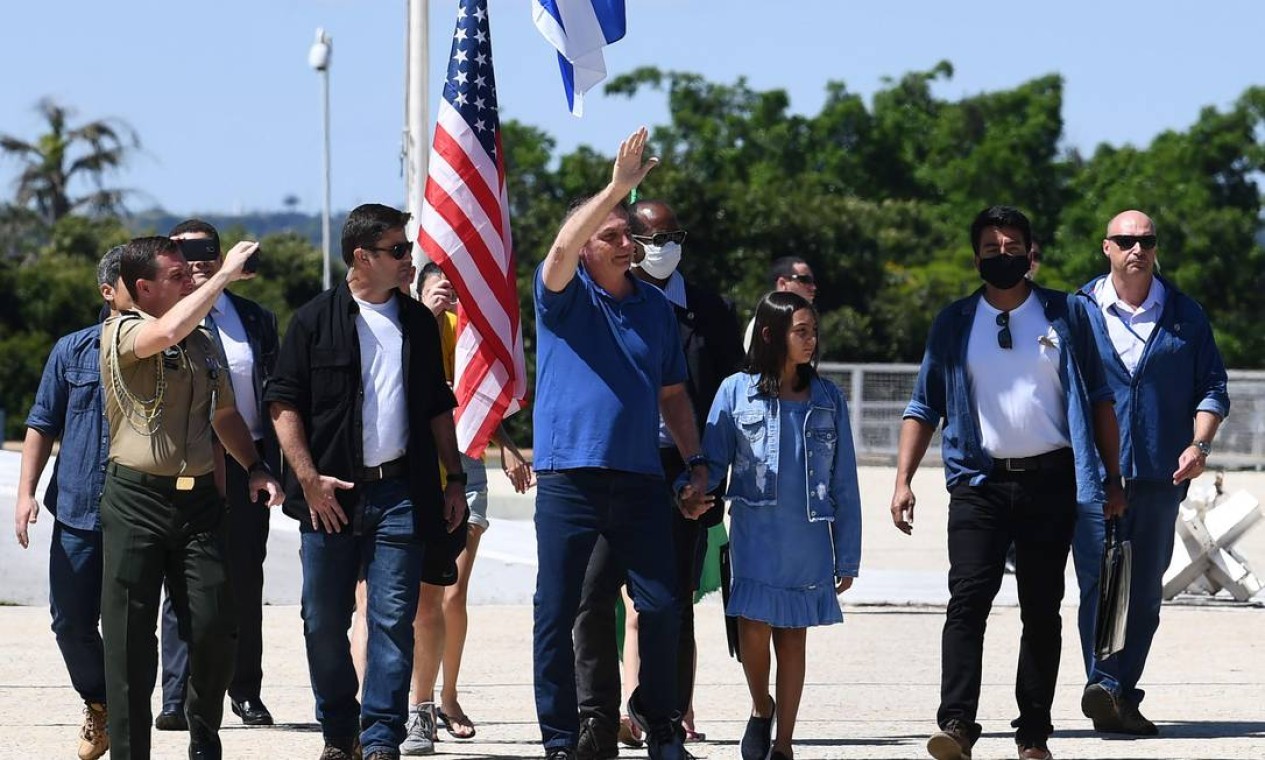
(877, 395)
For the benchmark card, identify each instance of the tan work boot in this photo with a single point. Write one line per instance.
(94, 738)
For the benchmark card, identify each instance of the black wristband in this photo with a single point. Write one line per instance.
(698, 460)
(457, 477)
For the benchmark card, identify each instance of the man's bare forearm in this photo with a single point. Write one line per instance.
(1206, 425)
(444, 431)
(678, 416)
(231, 429)
(37, 447)
(292, 437)
(182, 319)
(564, 256)
(915, 437)
(1107, 437)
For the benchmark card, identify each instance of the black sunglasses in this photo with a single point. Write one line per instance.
(1003, 338)
(397, 251)
(1126, 242)
(661, 238)
(806, 279)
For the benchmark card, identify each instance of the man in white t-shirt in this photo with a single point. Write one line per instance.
(362, 478)
(1014, 373)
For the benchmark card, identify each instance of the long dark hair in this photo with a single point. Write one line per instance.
(766, 358)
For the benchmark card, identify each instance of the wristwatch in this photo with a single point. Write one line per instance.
(457, 477)
(1205, 447)
(698, 460)
(259, 466)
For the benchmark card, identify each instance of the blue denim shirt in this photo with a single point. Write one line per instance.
(1180, 373)
(69, 404)
(743, 431)
(943, 390)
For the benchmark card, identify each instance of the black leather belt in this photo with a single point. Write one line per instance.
(396, 468)
(1059, 459)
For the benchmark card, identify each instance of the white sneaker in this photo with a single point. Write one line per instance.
(420, 730)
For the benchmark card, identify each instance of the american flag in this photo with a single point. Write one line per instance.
(465, 229)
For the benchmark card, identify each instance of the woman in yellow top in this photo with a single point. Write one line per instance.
(440, 626)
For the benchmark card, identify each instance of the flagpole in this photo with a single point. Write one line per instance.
(417, 105)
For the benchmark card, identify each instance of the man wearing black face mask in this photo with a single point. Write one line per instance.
(1014, 372)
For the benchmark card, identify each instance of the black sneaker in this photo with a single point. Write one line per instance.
(758, 737)
(663, 742)
(596, 740)
(1100, 704)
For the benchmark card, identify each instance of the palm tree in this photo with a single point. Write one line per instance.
(56, 159)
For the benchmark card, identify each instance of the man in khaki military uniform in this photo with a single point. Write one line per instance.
(167, 393)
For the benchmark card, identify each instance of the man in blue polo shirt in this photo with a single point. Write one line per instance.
(609, 361)
(68, 405)
(1169, 382)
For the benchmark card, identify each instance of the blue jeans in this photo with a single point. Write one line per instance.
(74, 597)
(632, 511)
(390, 555)
(1150, 524)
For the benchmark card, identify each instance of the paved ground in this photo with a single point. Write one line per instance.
(873, 683)
(872, 691)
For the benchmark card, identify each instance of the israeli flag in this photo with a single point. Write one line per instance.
(578, 30)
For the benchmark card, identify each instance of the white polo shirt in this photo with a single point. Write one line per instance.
(1019, 403)
(1129, 328)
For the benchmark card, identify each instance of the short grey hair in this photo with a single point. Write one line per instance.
(108, 267)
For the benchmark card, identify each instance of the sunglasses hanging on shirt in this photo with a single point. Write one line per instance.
(1004, 339)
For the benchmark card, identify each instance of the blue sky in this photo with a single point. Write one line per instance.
(228, 109)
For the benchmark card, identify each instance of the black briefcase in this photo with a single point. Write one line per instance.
(1112, 620)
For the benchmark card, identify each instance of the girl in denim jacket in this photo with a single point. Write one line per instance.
(795, 508)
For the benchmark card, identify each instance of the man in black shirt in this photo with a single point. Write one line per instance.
(364, 416)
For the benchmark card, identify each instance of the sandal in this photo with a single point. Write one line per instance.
(452, 723)
(692, 736)
(630, 733)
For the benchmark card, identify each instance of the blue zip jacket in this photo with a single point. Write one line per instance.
(743, 430)
(1180, 373)
(69, 404)
(943, 390)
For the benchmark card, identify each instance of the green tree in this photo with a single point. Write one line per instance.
(1200, 187)
(66, 156)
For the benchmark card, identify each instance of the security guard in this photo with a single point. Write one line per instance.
(167, 394)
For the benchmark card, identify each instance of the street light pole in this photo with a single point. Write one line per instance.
(319, 58)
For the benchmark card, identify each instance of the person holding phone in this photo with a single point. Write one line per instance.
(168, 399)
(247, 334)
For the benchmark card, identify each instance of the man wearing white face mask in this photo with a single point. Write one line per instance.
(713, 351)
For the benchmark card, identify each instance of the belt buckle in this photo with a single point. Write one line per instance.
(1011, 467)
(184, 483)
(376, 470)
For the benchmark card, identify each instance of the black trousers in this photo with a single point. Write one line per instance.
(247, 547)
(597, 671)
(1037, 511)
(151, 531)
